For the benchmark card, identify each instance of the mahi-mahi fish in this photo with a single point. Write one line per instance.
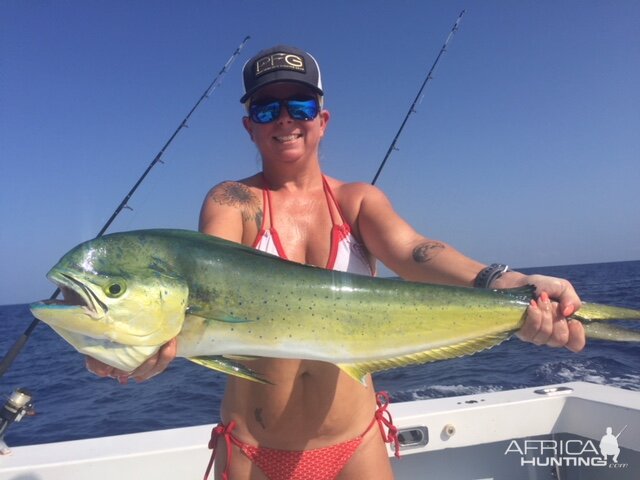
(126, 294)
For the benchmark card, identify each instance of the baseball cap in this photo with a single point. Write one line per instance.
(281, 63)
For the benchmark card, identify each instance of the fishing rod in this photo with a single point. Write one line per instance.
(412, 109)
(17, 346)
(623, 429)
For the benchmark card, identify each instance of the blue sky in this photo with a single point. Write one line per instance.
(524, 150)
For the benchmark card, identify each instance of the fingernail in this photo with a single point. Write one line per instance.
(568, 310)
(123, 379)
(544, 297)
(533, 304)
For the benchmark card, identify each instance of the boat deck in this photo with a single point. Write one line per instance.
(540, 433)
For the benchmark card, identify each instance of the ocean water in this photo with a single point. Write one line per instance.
(71, 403)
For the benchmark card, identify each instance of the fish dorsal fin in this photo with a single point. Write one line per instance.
(358, 371)
(228, 366)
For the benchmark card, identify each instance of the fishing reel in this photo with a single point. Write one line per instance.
(18, 405)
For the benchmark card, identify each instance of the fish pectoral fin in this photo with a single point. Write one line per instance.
(230, 319)
(358, 371)
(241, 358)
(225, 365)
(162, 267)
(213, 315)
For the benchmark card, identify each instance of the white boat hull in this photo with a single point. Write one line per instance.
(469, 437)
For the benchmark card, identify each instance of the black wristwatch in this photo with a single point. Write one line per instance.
(490, 274)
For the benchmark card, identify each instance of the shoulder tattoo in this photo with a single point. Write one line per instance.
(427, 251)
(238, 195)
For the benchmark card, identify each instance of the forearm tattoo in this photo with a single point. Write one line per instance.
(238, 195)
(427, 251)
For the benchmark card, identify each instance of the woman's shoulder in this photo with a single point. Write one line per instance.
(231, 209)
(353, 196)
(243, 189)
(350, 191)
(252, 181)
(236, 193)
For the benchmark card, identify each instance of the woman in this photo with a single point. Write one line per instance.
(314, 418)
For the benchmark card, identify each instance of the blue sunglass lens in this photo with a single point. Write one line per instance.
(265, 112)
(303, 109)
(299, 109)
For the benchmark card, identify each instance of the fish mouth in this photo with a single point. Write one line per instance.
(76, 295)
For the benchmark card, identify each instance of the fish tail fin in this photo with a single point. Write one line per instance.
(603, 331)
(592, 314)
(595, 312)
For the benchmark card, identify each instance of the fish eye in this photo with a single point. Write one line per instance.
(115, 289)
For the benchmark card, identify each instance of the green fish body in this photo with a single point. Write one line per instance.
(126, 294)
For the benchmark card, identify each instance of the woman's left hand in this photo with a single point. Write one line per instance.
(546, 322)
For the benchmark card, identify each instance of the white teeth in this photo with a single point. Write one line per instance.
(288, 138)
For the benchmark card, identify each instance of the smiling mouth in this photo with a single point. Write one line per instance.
(76, 294)
(288, 138)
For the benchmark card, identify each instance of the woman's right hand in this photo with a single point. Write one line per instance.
(150, 368)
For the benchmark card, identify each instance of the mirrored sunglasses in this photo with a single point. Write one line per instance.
(267, 111)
